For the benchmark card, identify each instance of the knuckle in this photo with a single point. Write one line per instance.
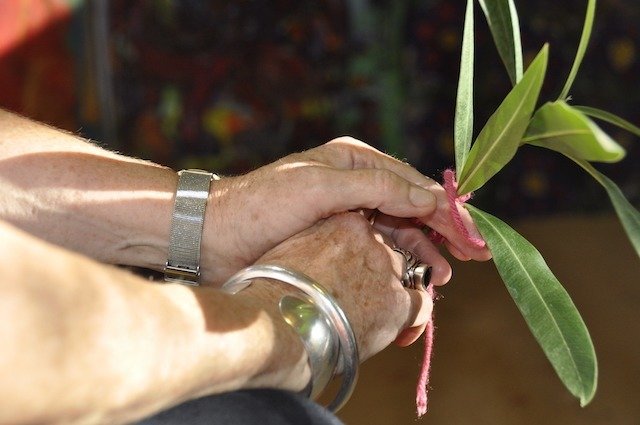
(297, 169)
(352, 233)
(352, 222)
(385, 181)
(308, 182)
(293, 157)
(346, 141)
(313, 178)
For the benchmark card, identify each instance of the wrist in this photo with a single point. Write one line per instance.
(318, 320)
(187, 224)
(218, 232)
(287, 364)
(139, 222)
(264, 351)
(146, 243)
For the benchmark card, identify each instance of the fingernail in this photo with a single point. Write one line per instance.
(421, 197)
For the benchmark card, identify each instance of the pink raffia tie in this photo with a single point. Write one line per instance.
(451, 188)
(423, 379)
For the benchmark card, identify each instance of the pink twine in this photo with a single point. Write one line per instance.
(423, 379)
(451, 188)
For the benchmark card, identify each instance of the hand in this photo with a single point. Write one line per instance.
(351, 259)
(250, 214)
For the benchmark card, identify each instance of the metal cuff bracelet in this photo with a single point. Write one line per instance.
(320, 322)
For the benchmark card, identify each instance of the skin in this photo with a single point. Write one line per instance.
(288, 196)
(118, 209)
(72, 324)
(378, 306)
(77, 325)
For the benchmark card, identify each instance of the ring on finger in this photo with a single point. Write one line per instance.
(415, 275)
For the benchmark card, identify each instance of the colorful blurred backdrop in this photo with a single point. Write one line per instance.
(231, 85)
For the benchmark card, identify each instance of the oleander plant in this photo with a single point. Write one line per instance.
(556, 124)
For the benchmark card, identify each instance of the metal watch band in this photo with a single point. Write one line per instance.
(192, 193)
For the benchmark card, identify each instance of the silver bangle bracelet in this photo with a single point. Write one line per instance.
(328, 337)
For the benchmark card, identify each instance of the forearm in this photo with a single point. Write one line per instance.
(89, 343)
(70, 192)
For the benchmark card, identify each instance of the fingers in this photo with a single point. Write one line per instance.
(456, 252)
(409, 335)
(463, 245)
(421, 308)
(349, 153)
(409, 237)
(344, 190)
(420, 305)
(417, 242)
(441, 221)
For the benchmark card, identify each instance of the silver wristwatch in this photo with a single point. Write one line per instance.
(192, 194)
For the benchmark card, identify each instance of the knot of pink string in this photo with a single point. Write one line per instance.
(451, 188)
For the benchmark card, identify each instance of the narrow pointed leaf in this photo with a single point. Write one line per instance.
(562, 128)
(545, 305)
(498, 141)
(610, 118)
(628, 215)
(502, 18)
(582, 48)
(463, 129)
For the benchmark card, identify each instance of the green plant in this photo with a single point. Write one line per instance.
(545, 305)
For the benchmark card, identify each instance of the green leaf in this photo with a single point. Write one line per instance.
(498, 141)
(628, 215)
(582, 48)
(463, 129)
(610, 118)
(562, 128)
(545, 305)
(502, 18)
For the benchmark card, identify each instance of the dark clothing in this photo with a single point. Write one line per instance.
(263, 407)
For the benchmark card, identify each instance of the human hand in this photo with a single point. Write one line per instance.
(250, 214)
(355, 264)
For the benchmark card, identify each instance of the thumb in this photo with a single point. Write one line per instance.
(374, 189)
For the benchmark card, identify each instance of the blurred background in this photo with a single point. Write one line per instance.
(230, 85)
